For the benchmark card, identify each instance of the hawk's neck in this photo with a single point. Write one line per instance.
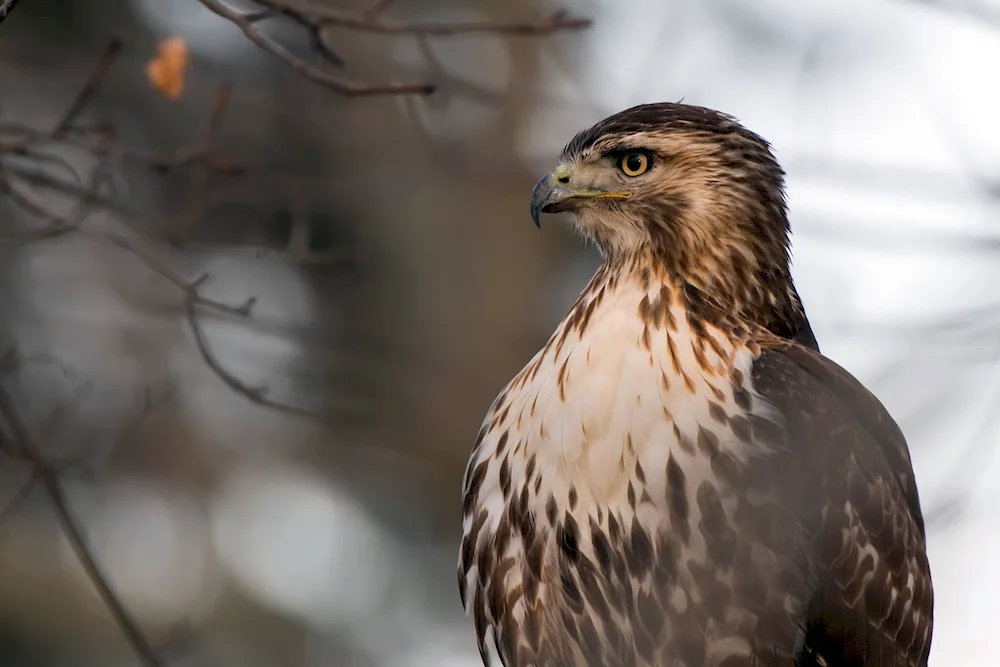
(631, 357)
(730, 296)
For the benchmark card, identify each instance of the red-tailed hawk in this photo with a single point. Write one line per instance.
(679, 478)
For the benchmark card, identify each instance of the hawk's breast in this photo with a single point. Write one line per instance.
(603, 497)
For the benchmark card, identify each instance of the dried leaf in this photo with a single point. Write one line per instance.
(166, 71)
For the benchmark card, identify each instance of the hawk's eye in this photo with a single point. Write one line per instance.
(634, 164)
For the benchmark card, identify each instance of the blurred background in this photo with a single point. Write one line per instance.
(398, 283)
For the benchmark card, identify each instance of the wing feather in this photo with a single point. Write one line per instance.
(873, 601)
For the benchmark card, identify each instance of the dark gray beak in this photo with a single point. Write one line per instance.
(550, 197)
(547, 197)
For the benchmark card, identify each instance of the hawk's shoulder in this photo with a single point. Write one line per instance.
(806, 370)
(860, 501)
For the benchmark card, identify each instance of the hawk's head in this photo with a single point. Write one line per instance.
(688, 187)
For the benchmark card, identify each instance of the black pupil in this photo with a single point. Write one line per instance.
(633, 162)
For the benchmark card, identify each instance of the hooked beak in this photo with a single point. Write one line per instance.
(551, 197)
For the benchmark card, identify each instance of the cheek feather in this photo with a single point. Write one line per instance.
(611, 228)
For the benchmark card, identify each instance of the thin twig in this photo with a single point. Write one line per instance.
(365, 21)
(198, 175)
(26, 147)
(90, 87)
(28, 152)
(189, 288)
(44, 179)
(340, 84)
(193, 300)
(84, 141)
(316, 30)
(57, 226)
(49, 478)
(98, 141)
(319, 18)
(220, 102)
(253, 394)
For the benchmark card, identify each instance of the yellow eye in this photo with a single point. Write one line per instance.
(634, 164)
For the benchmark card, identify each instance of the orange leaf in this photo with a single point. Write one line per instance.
(166, 71)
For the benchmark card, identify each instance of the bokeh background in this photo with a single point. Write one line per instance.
(399, 284)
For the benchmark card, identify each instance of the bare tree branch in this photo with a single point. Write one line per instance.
(188, 288)
(257, 394)
(92, 84)
(57, 226)
(193, 300)
(199, 158)
(25, 164)
(316, 30)
(373, 20)
(343, 85)
(22, 166)
(49, 478)
(319, 18)
(198, 175)
(23, 149)
(44, 179)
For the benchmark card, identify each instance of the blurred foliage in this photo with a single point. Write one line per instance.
(359, 236)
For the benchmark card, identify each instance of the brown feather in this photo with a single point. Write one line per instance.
(857, 481)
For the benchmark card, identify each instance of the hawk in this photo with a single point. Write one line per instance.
(679, 478)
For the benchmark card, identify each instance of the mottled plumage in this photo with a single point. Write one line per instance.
(679, 478)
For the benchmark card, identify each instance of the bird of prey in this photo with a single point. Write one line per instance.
(679, 478)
